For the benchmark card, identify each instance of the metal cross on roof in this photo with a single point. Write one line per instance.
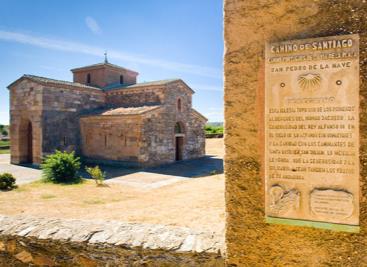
(105, 57)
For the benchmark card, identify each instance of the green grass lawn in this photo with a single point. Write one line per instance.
(4, 151)
(4, 143)
(4, 147)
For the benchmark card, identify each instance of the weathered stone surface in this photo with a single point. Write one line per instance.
(147, 134)
(105, 74)
(249, 24)
(2, 246)
(43, 261)
(97, 243)
(312, 123)
(24, 256)
(104, 120)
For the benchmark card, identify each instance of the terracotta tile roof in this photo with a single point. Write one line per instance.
(120, 86)
(53, 81)
(124, 111)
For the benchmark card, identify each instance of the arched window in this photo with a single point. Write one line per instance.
(121, 79)
(179, 129)
(179, 108)
(88, 78)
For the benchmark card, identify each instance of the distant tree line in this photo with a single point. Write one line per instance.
(4, 130)
(212, 130)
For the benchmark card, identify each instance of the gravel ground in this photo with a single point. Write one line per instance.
(197, 203)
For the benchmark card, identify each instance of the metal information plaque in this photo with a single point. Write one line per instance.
(312, 130)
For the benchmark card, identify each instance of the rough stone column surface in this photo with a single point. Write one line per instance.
(248, 25)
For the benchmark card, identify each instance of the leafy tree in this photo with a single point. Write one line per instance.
(3, 130)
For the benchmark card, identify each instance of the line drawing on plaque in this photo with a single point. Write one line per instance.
(283, 201)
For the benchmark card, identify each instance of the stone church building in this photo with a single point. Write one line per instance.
(106, 117)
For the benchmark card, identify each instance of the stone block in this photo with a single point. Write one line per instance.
(24, 256)
(250, 239)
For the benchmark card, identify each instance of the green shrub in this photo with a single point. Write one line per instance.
(96, 174)
(61, 167)
(210, 129)
(7, 181)
(4, 130)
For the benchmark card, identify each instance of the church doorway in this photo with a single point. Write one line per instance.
(29, 143)
(179, 146)
(26, 142)
(179, 140)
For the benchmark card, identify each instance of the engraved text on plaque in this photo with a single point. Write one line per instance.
(312, 129)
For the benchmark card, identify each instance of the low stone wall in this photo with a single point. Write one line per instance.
(28, 241)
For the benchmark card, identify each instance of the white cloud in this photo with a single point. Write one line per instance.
(207, 87)
(93, 25)
(70, 46)
(215, 114)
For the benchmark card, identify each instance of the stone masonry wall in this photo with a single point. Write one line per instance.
(112, 76)
(194, 140)
(111, 137)
(26, 241)
(160, 146)
(248, 25)
(135, 97)
(26, 107)
(157, 139)
(104, 76)
(196, 136)
(96, 77)
(55, 111)
(61, 112)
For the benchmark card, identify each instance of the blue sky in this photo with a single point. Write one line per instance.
(161, 39)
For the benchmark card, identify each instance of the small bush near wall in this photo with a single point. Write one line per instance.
(7, 181)
(61, 167)
(96, 174)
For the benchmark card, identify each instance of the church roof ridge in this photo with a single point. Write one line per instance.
(119, 111)
(53, 81)
(197, 113)
(100, 65)
(127, 86)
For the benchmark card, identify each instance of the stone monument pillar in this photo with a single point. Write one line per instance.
(295, 137)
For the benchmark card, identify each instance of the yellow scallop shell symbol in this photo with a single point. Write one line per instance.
(309, 81)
